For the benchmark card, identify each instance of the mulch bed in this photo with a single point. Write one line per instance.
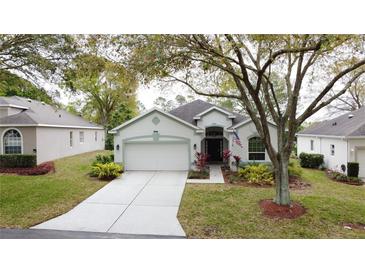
(273, 210)
(346, 180)
(232, 178)
(296, 184)
(351, 226)
(41, 169)
(194, 174)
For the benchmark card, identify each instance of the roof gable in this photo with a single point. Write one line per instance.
(198, 107)
(135, 119)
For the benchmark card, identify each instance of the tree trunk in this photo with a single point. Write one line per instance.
(281, 163)
(282, 181)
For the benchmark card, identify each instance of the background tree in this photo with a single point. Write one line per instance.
(164, 104)
(351, 100)
(106, 89)
(202, 62)
(34, 56)
(11, 84)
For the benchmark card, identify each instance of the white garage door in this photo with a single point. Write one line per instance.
(156, 157)
(361, 160)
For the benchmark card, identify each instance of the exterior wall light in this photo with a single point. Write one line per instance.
(117, 147)
(194, 146)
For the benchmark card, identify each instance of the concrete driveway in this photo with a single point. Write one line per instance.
(140, 202)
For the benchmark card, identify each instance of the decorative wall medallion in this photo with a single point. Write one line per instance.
(156, 121)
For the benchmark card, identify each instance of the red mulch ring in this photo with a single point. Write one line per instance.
(351, 226)
(41, 169)
(273, 210)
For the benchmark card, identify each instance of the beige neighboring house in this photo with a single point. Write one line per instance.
(32, 127)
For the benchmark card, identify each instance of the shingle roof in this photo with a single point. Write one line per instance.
(41, 113)
(350, 124)
(188, 111)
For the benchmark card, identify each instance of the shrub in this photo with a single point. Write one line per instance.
(257, 174)
(106, 171)
(244, 164)
(311, 160)
(18, 160)
(340, 177)
(103, 159)
(41, 169)
(353, 169)
(294, 169)
(201, 161)
(226, 155)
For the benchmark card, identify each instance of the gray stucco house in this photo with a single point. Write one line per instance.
(158, 140)
(32, 127)
(340, 140)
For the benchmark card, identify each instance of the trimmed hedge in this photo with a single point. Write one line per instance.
(353, 169)
(41, 169)
(18, 160)
(310, 160)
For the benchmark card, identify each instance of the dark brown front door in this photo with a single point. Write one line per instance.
(214, 149)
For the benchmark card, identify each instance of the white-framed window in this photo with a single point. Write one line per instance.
(332, 149)
(256, 149)
(71, 139)
(12, 140)
(312, 145)
(82, 137)
(96, 136)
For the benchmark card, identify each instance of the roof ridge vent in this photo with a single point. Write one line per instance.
(43, 103)
(350, 116)
(29, 100)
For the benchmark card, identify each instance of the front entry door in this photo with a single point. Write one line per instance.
(214, 149)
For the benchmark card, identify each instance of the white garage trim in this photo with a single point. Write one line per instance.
(156, 139)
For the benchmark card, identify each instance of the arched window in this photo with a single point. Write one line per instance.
(12, 141)
(256, 149)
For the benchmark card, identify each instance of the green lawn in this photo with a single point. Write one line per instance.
(225, 211)
(28, 200)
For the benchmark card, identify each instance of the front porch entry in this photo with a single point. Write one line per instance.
(214, 143)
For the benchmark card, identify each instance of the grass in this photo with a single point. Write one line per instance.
(228, 211)
(28, 200)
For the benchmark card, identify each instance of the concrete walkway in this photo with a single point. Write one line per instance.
(215, 176)
(140, 202)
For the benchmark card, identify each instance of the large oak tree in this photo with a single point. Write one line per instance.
(314, 66)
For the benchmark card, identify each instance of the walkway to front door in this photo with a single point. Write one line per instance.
(140, 202)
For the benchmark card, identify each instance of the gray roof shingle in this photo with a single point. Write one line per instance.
(340, 126)
(188, 111)
(41, 113)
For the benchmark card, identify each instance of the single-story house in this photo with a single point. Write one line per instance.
(340, 140)
(32, 127)
(158, 140)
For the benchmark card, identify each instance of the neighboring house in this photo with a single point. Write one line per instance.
(340, 140)
(157, 140)
(32, 127)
